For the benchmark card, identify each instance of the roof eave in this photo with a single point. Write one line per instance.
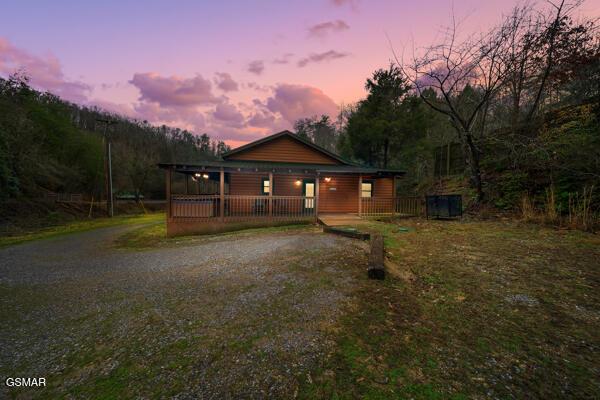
(230, 166)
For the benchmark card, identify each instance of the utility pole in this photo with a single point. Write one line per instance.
(107, 167)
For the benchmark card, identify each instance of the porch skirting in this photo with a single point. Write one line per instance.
(189, 226)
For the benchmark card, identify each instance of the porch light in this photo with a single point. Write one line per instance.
(298, 182)
(327, 179)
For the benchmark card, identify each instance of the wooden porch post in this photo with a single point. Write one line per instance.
(270, 194)
(168, 191)
(359, 195)
(317, 178)
(222, 195)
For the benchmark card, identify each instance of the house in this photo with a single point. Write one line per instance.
(278, 179)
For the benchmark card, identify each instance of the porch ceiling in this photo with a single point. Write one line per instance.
(278, 168)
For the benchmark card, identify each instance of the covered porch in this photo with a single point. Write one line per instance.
(218, 196)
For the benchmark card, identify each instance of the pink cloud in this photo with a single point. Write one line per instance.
(321, 57)
(182, 117)
(261, 119)
(324, 28)
(115, 108)
(45, 73)
(284, 59)
(298, 101)
(174, 91)
(225, 82)
(258, 87)
(187, 103)
(256, 67)
(229, 115)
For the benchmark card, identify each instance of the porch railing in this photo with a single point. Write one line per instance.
(195, 206)
(381, 206)
(243, 208)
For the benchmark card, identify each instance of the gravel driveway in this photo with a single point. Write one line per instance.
(241, 317)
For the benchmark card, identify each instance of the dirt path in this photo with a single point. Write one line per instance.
(238, 317)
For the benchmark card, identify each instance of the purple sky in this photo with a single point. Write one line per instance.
(236, 70)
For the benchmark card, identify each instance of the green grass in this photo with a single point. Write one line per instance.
(79, 226)
(153, 236)
(441, 326)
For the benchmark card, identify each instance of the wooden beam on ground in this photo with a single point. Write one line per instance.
(376, 258)
(354, 234)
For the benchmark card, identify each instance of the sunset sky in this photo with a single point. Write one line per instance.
(236, 70)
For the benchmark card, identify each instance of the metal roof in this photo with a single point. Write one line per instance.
(276, 167)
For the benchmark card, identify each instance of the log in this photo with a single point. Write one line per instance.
(354, 234)
(376, 258)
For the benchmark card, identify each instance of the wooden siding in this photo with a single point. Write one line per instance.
(250, 185)
(246, 184)
(285, 185)
(284, 149)
(383, 187)
(343, 199)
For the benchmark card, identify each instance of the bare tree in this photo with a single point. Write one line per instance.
(513, 60)
(541, 45)
(465, 74)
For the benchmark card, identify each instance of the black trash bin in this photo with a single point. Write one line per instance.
(444, 206)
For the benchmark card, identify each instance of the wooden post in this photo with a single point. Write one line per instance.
(270, 194)
(168, 191)
(222, 195)
(359, 195)
(317, 196)
(376, 258)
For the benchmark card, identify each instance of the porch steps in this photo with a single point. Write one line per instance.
(341, 220)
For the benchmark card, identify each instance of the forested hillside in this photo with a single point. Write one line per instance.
(47, 144)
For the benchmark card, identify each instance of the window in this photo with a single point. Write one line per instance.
(265, 187)
(366, 189)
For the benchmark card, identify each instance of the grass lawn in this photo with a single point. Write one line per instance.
(155, 235)
(473, 310)
(468, 310)
(79, 226)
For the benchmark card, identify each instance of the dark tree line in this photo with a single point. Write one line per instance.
(499, 86)
(48, 144)
(522, 100)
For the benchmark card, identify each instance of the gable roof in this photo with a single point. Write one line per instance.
(291, 135)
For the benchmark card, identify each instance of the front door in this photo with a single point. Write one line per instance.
(308, 191)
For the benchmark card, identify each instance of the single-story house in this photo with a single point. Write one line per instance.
(278, 179)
